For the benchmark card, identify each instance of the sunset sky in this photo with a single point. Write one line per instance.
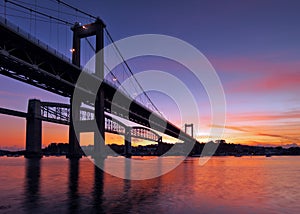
(254, 47)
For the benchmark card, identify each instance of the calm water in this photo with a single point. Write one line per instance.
(223, 185)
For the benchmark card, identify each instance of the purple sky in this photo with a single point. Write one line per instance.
(253, 45)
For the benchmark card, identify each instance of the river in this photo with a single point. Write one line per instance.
(222, 185)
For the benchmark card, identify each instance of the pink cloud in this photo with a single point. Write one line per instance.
(252, 65)
(257, 75)
(270, 83)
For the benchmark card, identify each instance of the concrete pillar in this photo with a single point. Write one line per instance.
(74, 146)
(127, 138)
(160, 148)
(79, 32)
(99, 135)
(34, 130)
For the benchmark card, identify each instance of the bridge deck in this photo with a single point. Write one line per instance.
(26, 59)
(111, 124)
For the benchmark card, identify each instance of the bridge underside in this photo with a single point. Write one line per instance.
(27, 59)
(60, 113)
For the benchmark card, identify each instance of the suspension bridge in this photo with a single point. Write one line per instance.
(27, 59)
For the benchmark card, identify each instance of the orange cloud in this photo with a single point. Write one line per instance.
(263, 116)
(265, 134)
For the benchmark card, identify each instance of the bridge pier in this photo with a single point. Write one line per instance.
(160, 149)
(79, 32)
(74, 146)
(56, 80)
(127, 139)
(34, 130)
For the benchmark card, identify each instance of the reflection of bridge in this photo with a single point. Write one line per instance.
(27, 59)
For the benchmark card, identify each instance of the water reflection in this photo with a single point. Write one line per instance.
(127, 184)
(125, 192)
(73, 186)
(223, 185)
(98, 188)
(32, 185)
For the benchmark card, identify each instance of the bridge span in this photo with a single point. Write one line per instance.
(60, 114)
(27, 59)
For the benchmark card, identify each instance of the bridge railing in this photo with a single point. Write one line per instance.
(31, 38)
(54, 112)
(60, 113)
(64, 86)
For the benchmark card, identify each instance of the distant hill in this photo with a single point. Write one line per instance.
(6, 152)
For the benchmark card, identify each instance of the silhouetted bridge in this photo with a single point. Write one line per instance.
(60, 113)
(27, 59)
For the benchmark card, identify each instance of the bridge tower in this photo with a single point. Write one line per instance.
(34, 130)
(127, 138)
(79, 32)
(186, 126)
